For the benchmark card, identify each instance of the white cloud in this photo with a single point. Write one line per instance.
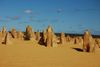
(28, 11)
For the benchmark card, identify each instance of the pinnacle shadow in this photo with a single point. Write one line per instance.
(78, 49)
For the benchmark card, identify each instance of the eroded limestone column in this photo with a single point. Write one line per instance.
(7, 39)
(49, 36)
(14, 33)
(88, 42)
(29, 33)
(62, 38)
(20, 35)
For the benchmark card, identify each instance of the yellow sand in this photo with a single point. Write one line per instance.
(30, 54)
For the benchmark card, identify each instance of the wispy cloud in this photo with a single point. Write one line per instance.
(60, 10)
(9, 18)
(28, 11)
(13, 18)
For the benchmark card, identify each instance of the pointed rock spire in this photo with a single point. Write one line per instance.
(49, 36)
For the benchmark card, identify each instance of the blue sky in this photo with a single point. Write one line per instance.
(70, 16)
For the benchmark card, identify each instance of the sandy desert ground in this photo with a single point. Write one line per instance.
(30, 54)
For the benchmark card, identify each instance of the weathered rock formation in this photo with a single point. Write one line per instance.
(97, 42)
(38, 36)
(14, 33)
(3, 34)
(80, 40)
(20, 35)
(29, 33)
(44, 36)
(68, 38)
(54, 40)
(49, 36)
(62, 38)
(88, 42)
(7, 39)
(49, 39)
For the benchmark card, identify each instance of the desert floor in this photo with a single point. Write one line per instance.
(30, 54)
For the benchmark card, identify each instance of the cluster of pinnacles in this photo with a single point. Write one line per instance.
(49, 39)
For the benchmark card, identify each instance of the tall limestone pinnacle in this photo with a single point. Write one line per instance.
(62, 38)
(20, 35)
(37, 35)
(49, 36)
(7, 39)
(88, 42)
(29, 33)
(14, 33)
(44, 35)
(3, 33)
(28, 29)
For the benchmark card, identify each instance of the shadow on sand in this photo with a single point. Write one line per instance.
(78, 49)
